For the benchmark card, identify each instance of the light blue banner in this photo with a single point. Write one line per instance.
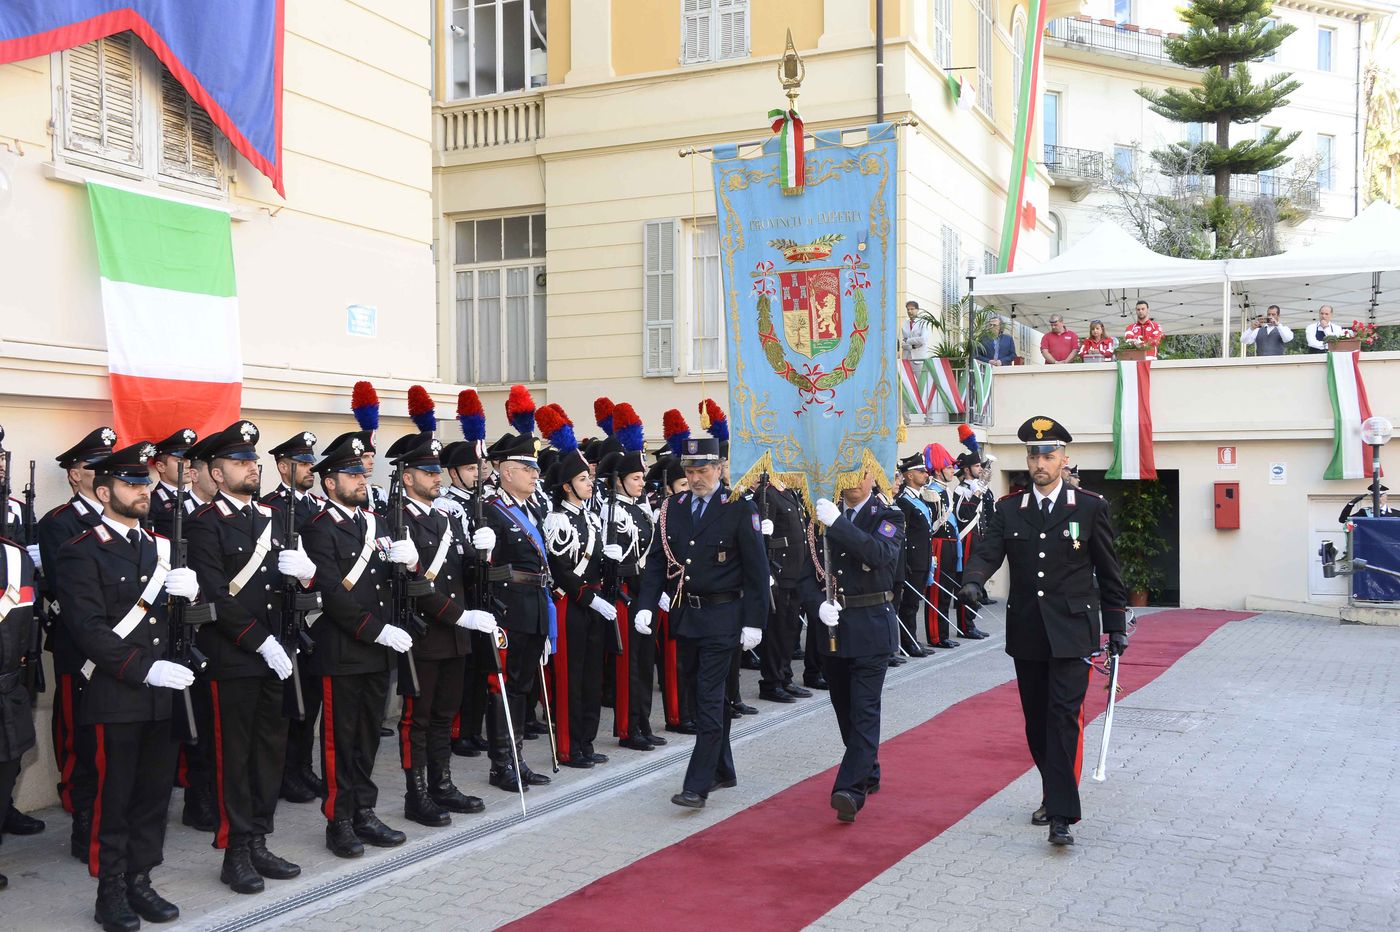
(810, 304)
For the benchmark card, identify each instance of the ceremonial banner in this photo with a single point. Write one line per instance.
(810, 305)
(1351, 459)
(227, 54)
(171, 310)
(1132, 423)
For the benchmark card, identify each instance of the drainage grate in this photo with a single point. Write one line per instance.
(1157, 719)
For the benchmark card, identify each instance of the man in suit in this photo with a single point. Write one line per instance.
(713, 547)
(1058, 541)
(865, 537)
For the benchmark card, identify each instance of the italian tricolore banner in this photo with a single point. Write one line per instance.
(810, 305)
(1351, 459)
(171, 309)
(1132, 422)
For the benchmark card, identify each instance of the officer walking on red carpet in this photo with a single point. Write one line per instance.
(1058, 540)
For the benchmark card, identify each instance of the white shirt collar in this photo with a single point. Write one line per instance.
(858, 508)
(1039, 497)
(96, 508)
(121, 529)
(341, 508)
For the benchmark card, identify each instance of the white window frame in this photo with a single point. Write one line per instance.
(1331, 33)
(1326, 170)
(692, 327)
(986, 57)
(1132, 161)
(706, 18)
(467, 9)
(146, 166)
(951, 294)
(942, 19)
(660, 248)
(464, 330)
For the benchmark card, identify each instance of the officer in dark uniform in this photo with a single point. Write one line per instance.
(16, 515)
(1058, 541)
(461, 461)
(355, 639)
(784, 526)
(235, 548)
(169, 453)
(521, 587)
(294, 457)
(17, 626)
(865, 537)
(921, 510)
(440, 652)
(75, 776)
(1366, 501)
(710, 559)
(115, 589)
(975, 502)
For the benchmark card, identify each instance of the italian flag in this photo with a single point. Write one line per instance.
(945, 384)
(1132, 423)
(1351, 459)
(792, 148)
(171, 309)
(911, 387)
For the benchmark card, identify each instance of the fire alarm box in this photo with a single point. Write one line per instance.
(1227, 506)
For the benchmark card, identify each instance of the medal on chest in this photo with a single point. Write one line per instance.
(1074, 533)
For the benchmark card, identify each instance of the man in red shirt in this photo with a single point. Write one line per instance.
(1060, 345)
(1145, 330)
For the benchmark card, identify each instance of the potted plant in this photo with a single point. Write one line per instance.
(1136, 515)
(1131, 348)
(1351, 339)
(968, 326)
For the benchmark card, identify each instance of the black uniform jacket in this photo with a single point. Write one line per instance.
(918, 537)
(162, 512)
(55, 529)
(521, 603)
(636, 541)
(1053, 608)
(865, 560)
(103, 580)
(724, 555)
(308, 506)
(223, 539)
(441, 610)
(787, 547)
(17, 620)
(574, 540)
(351, 618)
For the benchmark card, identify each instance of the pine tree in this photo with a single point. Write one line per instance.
(1222, 36)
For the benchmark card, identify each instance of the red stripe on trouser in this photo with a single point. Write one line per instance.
(182, 767)
(64, 755)
(496, 682)
(328, 761)
(99, 758)
(221, 836)
(1079, 752)
(671, 693)
(405, 723)
(457, 725)
(559, 681)
(622, 689)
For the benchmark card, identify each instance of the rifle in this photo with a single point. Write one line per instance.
(296, 602)
(762, 497)
(34, 656)
(612, 585)
(5, 500)
(405, 590)
(183, 616)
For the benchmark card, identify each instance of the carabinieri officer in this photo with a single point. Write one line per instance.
(1058, 540)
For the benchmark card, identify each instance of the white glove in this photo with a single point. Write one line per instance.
(613, 552)
(395, 638)
(664, 603)
(605, 608)
(296, 563)
(749, 638)
(33, 551)
(477, 620)
(449, 506)
(830, 614)
(275, 657)
(182, 583)
(484, 539)
(827, 512)
(404, 552)
(170, 675)
(766, 526)
(642, 621)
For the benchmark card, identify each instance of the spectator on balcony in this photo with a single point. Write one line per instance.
(1318, 331)
(1060, 345)
(1144, 331)
(1268, 336)
(996, 348)
(915, 335)
(1098, 345)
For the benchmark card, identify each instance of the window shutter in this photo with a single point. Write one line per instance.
(659, 297)
(733, 29)
(696, 18)
(189, 142)
(102, 99)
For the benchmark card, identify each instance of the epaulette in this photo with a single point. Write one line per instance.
(321, 514)
(223, 507)
(59, 510)
(103, 535)
(1009, 495)
(201, 509)
(1088, 493)
(263, 510)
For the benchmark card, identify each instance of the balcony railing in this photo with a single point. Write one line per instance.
(1108, 36)
(483, 124)
(1303, 194)
(1066, 162)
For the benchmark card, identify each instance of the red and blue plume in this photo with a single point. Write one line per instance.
(713, 419)
(627, 428)
(520, 410)
(603, 414)
(421, 409)
(969, 440)
(557, 428)
(471, 416)
(675, 430)
(364, 402)
(936, 457)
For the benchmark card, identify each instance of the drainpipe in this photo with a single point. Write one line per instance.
(1356, 123)
(880, 61)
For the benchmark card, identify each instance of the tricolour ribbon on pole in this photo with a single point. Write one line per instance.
(792, 161)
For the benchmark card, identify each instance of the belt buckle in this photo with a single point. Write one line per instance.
(694, 601)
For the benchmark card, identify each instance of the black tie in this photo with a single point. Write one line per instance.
(360, 522)
(1045, 509)
(134, 535)
(851, 515)
(699, 510)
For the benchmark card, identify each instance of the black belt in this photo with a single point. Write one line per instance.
(628, 569)
(511, 574)
(865, 600)
(697, 600)
(777, 543)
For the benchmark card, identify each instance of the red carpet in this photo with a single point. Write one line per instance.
(934, 774)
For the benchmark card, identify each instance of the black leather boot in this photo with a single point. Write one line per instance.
(504, 777)
(341, 839)
(113, 911)
(295, 789)
(149, 904)
(199, 811)
(17, 823)
(418, 806)
(445, 793)
(238, 873)
(267, 863)
(369, 829)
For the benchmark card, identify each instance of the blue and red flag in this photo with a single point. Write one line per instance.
(226, 53)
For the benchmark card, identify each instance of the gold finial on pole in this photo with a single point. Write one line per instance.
(791, 71)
